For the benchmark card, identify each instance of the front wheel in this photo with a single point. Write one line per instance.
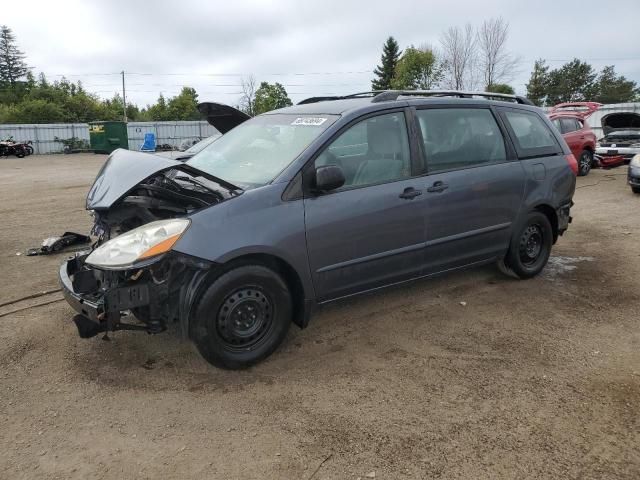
(530, 247)
(585, 162)
(635, 189)
(242, 317)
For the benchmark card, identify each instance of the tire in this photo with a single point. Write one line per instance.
(29, 150)
(242, 317)
(20, 153)
(585, 162)
(530, 246)
(635, 190)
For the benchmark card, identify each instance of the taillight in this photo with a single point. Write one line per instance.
(573, 165)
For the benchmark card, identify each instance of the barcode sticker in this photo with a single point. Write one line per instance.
(309, 121)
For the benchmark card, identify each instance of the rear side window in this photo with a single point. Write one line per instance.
(532, 137)
(569, 125)
(460, 138)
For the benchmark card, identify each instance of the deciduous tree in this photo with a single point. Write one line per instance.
(270, 96)
(418, 68)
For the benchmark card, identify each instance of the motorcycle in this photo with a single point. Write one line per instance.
(9, 147)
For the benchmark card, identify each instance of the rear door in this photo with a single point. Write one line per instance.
(473, 187)
(570, 129)
(370, 232)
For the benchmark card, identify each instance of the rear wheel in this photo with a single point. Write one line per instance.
(635, 189)
(585, 162)
(530, 247)
(242, 317)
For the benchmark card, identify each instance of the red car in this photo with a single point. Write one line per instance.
(570, 119)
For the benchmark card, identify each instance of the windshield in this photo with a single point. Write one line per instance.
(195, 148)
(256, 151)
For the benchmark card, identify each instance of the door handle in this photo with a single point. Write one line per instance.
(410, 193)
(437, 187)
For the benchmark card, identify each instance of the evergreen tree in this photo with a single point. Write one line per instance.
(12, 65)
(501, 88)
(575, 81)
(387, 69)
(537, 86)
(613, 88)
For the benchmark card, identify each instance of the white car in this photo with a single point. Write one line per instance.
(621, 140)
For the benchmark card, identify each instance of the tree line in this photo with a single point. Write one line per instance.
(27, 99)
(477, 58)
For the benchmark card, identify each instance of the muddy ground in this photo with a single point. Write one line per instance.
(529, 379)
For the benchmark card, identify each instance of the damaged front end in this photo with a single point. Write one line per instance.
(141, 204)
(156, 294)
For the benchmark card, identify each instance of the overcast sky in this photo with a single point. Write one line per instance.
(312, 47)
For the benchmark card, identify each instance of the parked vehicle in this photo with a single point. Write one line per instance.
(633, 176)
(309, 204)
(191, 151)
(571, 120)
(9, 147)
(621, 139)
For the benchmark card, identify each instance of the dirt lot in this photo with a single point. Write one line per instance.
(529, 379)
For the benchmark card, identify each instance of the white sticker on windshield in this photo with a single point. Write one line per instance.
(309, 121)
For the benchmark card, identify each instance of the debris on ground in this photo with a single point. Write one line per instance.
(57, 244)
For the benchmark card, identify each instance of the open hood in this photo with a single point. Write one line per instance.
(134, 188)
(579, 109)
(122, 171)
(620, 121)
(222, 117)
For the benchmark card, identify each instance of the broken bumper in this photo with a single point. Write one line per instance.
(633, 176)
(96, 305)
(99, 309)
(564, 217)
(157, 293)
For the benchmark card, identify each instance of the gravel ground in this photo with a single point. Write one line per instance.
(524, 379)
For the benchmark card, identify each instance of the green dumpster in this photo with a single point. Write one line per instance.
(105, 137)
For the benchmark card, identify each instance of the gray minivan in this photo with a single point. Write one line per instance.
(312, 203)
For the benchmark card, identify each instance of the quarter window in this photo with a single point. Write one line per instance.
(568, 125)
(460, 138)
(532, 136)
(375, 150)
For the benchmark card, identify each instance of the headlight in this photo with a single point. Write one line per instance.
(635, 161)
(138, 244)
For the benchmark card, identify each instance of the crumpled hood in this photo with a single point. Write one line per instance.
(122, 171)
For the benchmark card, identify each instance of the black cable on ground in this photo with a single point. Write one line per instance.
(31, 306)
(29, 297)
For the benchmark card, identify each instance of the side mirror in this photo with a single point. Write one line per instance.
(329, 177)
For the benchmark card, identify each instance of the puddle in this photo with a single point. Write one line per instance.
(560, 265)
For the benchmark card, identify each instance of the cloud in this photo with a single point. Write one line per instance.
(208, 44)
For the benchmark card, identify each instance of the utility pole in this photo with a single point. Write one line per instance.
(124, 99)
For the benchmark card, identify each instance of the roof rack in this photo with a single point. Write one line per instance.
(390, 95)
(372, 93)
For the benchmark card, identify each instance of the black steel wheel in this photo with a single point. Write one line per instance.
(245, 318)
(242, 317)
(584, 163)
(530, 247)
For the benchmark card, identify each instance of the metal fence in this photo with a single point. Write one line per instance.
(44, 136)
